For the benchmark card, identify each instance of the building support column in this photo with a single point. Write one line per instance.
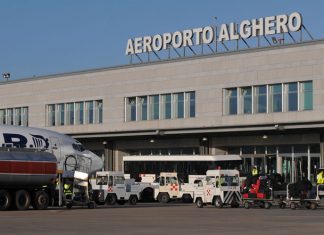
(204, 146)
(108, 155)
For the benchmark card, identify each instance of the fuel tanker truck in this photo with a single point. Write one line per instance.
(27, 178)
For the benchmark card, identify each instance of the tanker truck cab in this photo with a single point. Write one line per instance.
(111, 187)
(220, 188)
(169, 188)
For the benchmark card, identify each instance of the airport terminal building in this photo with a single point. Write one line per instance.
(264, 104)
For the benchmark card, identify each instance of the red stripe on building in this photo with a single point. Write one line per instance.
(20, 167)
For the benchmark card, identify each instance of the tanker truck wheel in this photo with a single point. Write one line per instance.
(41, 200)
(22, 200)
(5, 200)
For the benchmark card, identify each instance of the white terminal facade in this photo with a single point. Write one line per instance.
(265, 104)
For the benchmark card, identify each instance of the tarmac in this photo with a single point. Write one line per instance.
(156, 219)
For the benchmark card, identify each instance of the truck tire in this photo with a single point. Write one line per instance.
(199, 203)
(5, 200)
(41, 200)
(186, 198)
(313, 206)
(22, 200)
(164, 198)
(111, 199)
(132, 200)
(218, 203)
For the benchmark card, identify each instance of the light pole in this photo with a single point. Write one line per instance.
(6, 76)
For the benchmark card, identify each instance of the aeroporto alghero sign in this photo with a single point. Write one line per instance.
(225, 32)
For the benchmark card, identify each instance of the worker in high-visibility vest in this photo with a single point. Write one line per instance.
(67, 189)
(255, 171)
(320, 177)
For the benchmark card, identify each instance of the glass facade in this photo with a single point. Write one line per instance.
(293, 161)
(17, 116)
(74, 113)
(286, 97)
(160, 107)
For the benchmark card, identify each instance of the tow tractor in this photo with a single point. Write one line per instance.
(78, 189)
(219, 188)
(168, 188)
(111, 187)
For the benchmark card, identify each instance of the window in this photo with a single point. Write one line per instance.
(51, 115)
(275, 100)
(154, 107)
(79, 112)
(166, 106)
(162, 106)
(282, 97)
(98, 111)
(142, 108)
(190, 104)
(14, 116)
(2, 116)
(72, 113)
(60, 114)
(131, 109)
(246, 94)
(292, 96)
(231, 101)
(306, 95)
(261, 99)
(179, 105)
(89, 112)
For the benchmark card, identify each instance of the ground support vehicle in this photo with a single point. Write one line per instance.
(111, 187)
(27, 177)
(79, 190)
(168, 188)
(220, 188)
(260, 193)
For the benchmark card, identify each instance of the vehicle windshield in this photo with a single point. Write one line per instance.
(102, 180)
(226, 180)
(78, 147)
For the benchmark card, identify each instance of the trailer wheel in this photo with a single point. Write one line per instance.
(218, 203)
(313, 206)
(267, 205)
(5, 200)
(22, 200)
(293, 206)
(41, 200)
(164, 198)
(199, 203)
(246, 205)
(112, 199)
(69, 205)
(132, 200)
(282, 205)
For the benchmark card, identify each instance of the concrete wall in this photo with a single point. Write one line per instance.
(206, 75)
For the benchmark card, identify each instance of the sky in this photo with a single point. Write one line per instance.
(43, 37)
